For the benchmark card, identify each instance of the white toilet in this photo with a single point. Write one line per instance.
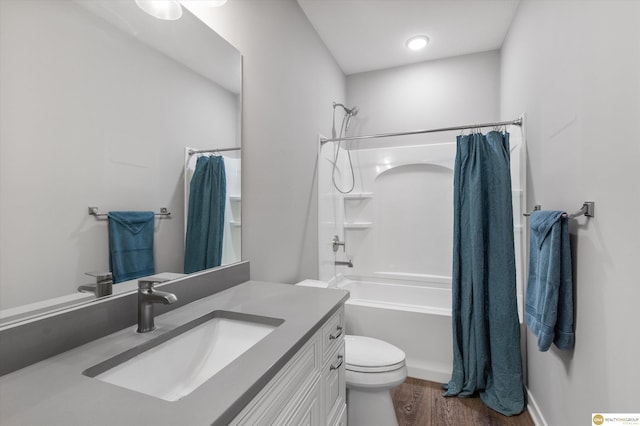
(373, 367)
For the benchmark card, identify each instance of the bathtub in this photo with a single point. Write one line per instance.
(413, 315)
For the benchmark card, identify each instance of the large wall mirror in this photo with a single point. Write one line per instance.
(100, 103)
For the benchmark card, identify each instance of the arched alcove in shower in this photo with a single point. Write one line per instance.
(413, 216)
(398, 220)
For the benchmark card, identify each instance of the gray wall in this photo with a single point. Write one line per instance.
(427, 95)
(90, 117)
(290, 80)
(574, 67)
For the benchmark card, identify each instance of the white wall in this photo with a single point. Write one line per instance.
(73, 136)
(574, 67)
(290, 80)
(441, 93)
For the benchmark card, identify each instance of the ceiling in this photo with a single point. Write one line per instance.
(367, 35)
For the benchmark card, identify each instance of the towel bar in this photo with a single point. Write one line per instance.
(164, 213)
(588, 209)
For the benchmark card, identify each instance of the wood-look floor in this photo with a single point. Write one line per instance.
(420, 403)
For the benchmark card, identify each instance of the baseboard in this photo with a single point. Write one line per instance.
(428, 374)
(534, 411)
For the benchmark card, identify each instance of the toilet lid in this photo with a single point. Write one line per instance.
(369, 354)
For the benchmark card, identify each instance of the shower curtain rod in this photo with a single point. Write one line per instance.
(516, 122)
(204, 151)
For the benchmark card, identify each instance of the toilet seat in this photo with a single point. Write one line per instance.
(369, 355)
(382, 369)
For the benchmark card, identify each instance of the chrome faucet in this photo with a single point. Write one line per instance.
(335, 243)
(103, 285)
(348, 263)
(147, 297)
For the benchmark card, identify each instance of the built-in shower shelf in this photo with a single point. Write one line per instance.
(358, 225)
(235, 198)
(358, 196)
(235, 223)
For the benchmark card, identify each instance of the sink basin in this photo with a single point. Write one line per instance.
(174, 364)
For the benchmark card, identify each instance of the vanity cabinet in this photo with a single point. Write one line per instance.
(310, 389)
(333, 370)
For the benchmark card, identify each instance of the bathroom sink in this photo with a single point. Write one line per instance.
(174, 364)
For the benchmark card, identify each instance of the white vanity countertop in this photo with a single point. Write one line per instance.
(55, 392)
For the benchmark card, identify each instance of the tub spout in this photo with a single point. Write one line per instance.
(348, 263)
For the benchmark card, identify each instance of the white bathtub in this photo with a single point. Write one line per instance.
(413, 315)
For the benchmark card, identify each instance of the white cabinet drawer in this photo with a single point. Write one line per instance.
(332, 333)
(333, 376)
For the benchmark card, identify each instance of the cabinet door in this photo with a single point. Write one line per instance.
(333, 375)
(342, 418)
(307, 413)
(278, 396)
(310, 389)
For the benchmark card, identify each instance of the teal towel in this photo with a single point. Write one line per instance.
(486, 329)
(131, 245)
(205, 219)
(549, 303)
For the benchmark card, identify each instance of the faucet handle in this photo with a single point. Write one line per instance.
(147, 283)
(101, 277)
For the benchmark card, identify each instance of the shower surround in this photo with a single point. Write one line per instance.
(397, 225)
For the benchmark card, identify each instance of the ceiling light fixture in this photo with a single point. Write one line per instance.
(215, 3)
(169, 10)
(418, 42)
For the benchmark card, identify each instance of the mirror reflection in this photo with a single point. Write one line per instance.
(103, 106)
(212, 197)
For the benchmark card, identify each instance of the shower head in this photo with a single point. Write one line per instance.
(351, 111)
(349, 114)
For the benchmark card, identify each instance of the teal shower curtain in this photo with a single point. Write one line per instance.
(205, 218)
(486, 330)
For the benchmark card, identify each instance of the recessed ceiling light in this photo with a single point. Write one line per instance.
(418, 42)
(169, 10)
(215, 3)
